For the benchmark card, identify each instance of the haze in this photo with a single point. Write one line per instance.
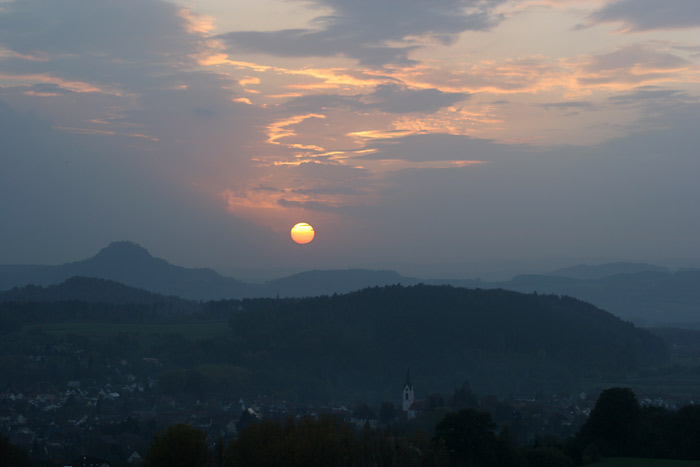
(444, 137)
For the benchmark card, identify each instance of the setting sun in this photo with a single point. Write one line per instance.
(302, 233)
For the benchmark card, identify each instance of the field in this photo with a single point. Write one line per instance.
(632, 462)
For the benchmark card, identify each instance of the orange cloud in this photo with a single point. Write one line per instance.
(280, 129)
(74, 86)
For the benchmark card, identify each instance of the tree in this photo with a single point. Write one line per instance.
(11, 455)
(469, 438)
(547, 457)
(464, 397)
(387, 412)
(613, 424)
(180, 446)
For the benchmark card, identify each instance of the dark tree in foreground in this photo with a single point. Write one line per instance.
(469, 438)
(180, 446)
(326, 442)
(613, 425)
(11, 455)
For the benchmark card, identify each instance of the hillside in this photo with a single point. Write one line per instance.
(88, 290)
(132, 265)
(601, 271)
(499, 340)
(649, 298)
(314, 283)
(352, 347)
(645, 294)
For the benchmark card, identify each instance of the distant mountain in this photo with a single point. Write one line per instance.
(643, 293)
(132, 265)
(601, 271)
(313, 283)
(648, 298)
(88, 290)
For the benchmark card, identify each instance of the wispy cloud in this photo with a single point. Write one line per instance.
(374, 33)
(647, 15)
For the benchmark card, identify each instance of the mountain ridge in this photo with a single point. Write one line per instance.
(643, 293)
(130, 264)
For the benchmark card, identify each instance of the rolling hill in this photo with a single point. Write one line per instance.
(132, 265)
(642, 293)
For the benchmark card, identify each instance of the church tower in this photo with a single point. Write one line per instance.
(407, 395)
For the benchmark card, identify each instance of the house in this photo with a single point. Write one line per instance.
(364, 415)
(135, 458)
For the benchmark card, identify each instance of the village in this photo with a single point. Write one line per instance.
(119, 420)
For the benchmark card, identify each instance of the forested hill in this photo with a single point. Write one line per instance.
(89, 290)
(348, 347)
(497, 339)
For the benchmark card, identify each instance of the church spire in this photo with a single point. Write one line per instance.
(407, 396)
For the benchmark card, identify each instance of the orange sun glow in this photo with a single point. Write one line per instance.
(302, 233)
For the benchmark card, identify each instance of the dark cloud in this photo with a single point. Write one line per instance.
(439, 147)
(643, 94)
(393, 98)
(645, 15)
(309, 43)
(634, 55)
(634, 63)
(122, 29)
(390, 98)
(329, 190)
(361, 29)
(310, 205)
(583, 105)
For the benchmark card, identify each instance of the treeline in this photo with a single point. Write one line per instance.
(498, 339)
(618, 426)
(356, 346)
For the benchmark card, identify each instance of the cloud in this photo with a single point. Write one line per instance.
(635, 63)
(124, 29)
(584, 105)
(362, 29)
(644, 95)
(390, 98)
(631, 197)
(394, 98)
(646, 15)
(135, 139)
(439, 147)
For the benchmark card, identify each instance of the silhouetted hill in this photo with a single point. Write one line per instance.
(601, 271)
(88, 290)
(651, 298)
(643, 293)
(313, 283)
(502, 341)
(347, 347)
(131, 264)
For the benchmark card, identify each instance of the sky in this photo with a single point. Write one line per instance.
(454, 138)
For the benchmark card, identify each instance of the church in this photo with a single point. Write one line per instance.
(408, 398)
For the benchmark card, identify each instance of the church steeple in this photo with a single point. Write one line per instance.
(407, 394)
